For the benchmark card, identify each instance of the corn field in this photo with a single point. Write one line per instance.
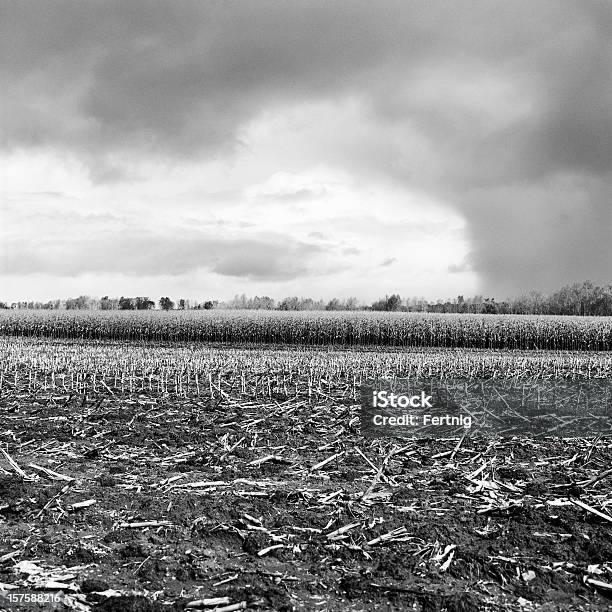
(319, 328)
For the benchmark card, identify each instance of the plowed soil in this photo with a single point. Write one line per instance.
(196, 499)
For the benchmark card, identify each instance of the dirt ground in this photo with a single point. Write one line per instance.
(282, 505)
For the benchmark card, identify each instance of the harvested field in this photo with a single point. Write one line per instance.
(152, 476)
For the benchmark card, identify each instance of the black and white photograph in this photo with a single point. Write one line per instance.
(305, 305)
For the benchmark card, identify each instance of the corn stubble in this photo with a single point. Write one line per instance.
(85, 367)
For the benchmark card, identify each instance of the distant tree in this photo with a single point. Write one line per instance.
(262, 303)
(242, 302)
(83, 302)
(351, 304)
(581, 299)
(306, 304)
(389, 303)
(394, 302)
(602, 301)
(182, 304)
(296, 303)
(337, 304)
(107, 303)
(239, 302)
(144, 303)
(489, 306)
(461, 305)
(166, 303)
(289, 303)
(578, 299)
(126, 303)
(504, 308)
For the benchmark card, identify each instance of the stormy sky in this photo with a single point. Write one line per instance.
(202, 149)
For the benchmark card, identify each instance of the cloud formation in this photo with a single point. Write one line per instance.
(387, 262)
(36, 243)
(500, 110)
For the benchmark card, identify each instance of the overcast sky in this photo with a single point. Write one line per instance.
(202, 149)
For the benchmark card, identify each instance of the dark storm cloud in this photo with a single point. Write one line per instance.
(171, 78)
(181, 77)
(492, 106)
(553, 233)
(269, 257)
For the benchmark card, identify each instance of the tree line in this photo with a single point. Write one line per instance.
(86, 302)
(585, 299)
